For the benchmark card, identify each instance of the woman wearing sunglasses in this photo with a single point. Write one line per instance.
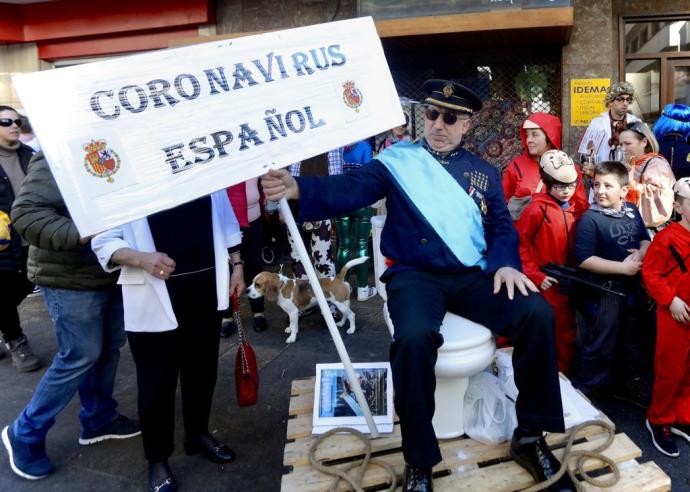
(651, 177)
(14, 286)
(540, 132)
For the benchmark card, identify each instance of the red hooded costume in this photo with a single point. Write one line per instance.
(665, 275)
(521, 177)
(546, 236)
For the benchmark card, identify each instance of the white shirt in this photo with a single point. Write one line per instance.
(599, 133)
(147, 306)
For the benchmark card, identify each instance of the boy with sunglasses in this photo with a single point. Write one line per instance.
(601, 136)
(452, 246)
(14, 286)
(546, 229)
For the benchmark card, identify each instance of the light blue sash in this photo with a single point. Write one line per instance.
(440, 199)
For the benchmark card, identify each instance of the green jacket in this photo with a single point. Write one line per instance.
(56, 259)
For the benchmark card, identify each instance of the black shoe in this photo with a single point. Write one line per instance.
(260, 323)
(663, 439)
(417, 480)
(160, 478)
(210, 448)
(534, 455)
(227, 328)
(682, 430)
(636, 392)
(120, 428)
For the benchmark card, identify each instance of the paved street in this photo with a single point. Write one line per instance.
(257, 434)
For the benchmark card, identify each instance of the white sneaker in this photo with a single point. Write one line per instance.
(365, 293)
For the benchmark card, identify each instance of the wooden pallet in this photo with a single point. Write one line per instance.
(467, 465)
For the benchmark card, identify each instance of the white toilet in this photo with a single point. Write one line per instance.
(467, 349)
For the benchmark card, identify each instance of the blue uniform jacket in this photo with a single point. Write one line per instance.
(407, 237)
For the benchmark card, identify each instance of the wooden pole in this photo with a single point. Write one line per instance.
(327, 315)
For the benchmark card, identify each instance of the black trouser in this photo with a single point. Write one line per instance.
(610, 333)
(14, 287)
(417, 303)
(252, 243)
(190, 352)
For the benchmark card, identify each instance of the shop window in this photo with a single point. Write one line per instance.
(655, 58)
(644, 76)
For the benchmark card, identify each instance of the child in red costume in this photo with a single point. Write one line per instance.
(540, 132)
(546, 236)
(666, 277)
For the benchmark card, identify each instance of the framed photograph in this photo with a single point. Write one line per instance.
(335, 404)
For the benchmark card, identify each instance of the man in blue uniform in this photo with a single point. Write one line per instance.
(453, 245)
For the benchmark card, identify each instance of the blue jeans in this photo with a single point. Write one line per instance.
(89, 328)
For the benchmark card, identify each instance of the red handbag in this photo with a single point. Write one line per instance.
(246, 371)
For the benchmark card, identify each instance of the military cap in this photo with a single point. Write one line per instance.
(451, 95)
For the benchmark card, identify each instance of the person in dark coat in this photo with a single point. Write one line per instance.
(452, 246)
(85, 304)
(14, 286)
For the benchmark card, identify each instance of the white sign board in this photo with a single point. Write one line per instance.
(129, 137)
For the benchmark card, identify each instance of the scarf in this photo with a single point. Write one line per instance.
(625, 211)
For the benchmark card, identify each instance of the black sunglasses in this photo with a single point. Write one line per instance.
(448, 118)
(9, 121)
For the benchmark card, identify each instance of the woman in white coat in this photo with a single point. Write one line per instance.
(175, 277)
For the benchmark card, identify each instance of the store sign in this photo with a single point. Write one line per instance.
(587, 100)
(385, 9)
(132, 136)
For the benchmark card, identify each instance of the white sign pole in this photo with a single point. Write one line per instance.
(327, 315)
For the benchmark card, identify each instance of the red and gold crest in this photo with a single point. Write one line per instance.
(101, 161)
(352, 96)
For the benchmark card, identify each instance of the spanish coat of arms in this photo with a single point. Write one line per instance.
(100, 161)
(352, 96)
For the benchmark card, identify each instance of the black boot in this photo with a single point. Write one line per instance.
(160, 478)
(533, 454)
(417, 480)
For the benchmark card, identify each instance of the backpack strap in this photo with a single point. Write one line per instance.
(543, 219)
(678, 258)
(644, 168)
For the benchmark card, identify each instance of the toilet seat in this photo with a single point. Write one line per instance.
(465, 335)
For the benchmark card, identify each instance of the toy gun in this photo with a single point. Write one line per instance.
(567, 276)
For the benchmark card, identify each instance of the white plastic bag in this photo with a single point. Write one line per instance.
(504, 366)
(489, 416)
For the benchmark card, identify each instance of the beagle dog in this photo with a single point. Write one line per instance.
(294, 295)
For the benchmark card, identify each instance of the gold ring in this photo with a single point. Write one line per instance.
(162, 272)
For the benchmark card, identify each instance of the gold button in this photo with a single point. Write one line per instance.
(423, 241)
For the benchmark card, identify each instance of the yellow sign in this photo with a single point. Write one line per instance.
(587, 100)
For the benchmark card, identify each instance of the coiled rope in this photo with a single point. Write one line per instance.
(577, 458)
(341, 473)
